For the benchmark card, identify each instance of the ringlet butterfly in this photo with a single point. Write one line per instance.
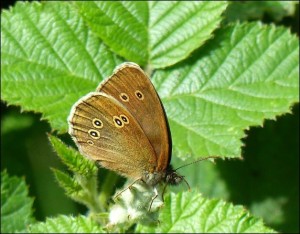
(123, 126)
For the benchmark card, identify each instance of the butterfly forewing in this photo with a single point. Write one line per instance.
(106, 131)
(132, 87)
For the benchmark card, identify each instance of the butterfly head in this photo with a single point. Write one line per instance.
(172, 177)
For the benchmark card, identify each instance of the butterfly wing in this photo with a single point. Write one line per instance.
(132, 87)
(105, 131)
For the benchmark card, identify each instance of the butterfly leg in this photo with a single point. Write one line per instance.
(119, 193)
(153, 198)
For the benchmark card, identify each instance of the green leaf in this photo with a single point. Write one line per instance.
(191, 213)
(246, 74)
(49, 58)
(73, 159)
(81, 192)
(71, 186)
(121, 25)
(66, 224)
(177, 29)
(16, 206)
(157, 33)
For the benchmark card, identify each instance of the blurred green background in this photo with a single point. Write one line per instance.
(266, 181)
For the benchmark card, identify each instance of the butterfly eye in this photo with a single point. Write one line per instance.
(124, 119)
(124, 97)
(94, 134)
(139, 95)
(118, 122)
(97, 123)
(90, 142)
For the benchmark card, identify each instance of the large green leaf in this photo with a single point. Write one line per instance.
(16, 206)
(246, 74)
(191, 213)
(49, 59)
(155, 33)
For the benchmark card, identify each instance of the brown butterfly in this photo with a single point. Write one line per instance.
(124, 127)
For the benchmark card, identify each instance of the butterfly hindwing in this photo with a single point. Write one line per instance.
(106, 131)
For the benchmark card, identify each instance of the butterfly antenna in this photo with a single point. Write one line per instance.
(186, 183)
(201, 159)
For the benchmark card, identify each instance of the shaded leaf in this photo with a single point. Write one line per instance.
(249, 10)
(16, 206)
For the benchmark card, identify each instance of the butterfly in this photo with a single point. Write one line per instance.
(123, 126)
